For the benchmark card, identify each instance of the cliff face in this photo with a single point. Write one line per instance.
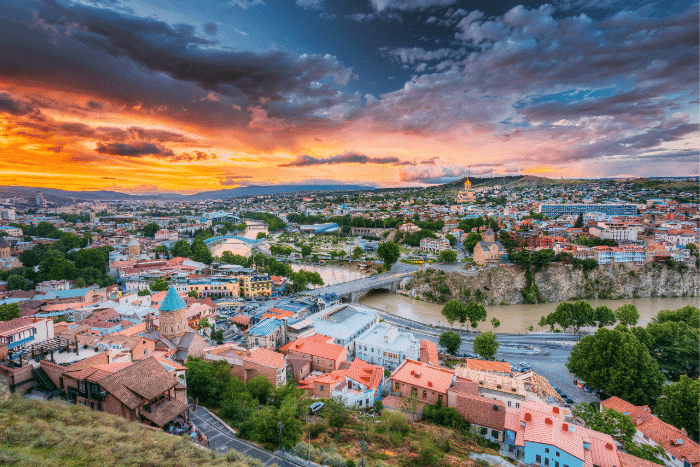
(558, 282)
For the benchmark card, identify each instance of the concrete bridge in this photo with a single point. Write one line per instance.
(352, 290)
(222, 238)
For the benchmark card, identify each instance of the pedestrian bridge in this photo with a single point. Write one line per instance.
(222, 238)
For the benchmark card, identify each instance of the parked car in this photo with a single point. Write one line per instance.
(556, 389)
(563, 396)
(316, 407)
(567, 400)
(587, 388)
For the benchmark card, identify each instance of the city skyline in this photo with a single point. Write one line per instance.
(154, 95)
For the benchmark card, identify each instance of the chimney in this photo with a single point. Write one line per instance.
(528, 417)
(548, 421)
(555, 410)
(608, 446)
(565, 427)
(430, 384)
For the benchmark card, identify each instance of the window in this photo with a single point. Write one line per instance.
(546, 450)
(321, 388)
(556, 464)
(538, 459)
(484, 431)
(330, 363)
(425, 394)
(557, 454)
(508, 403)
(440, 399)
(546, 461)
(397, 386)
(517, 405)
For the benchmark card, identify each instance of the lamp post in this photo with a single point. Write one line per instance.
(280, 426)
(363, 447)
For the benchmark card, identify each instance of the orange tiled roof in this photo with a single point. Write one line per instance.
(487, 365)
(266, 357)
(315, 346)
(660, 432)
(429, 352)
(423, 375)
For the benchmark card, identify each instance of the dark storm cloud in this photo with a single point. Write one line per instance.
(345, 158)
(138, 149)
(210, 28)
(180, 53)
(196, 156)
(13, 106)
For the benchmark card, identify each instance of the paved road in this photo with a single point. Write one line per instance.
(222, 441)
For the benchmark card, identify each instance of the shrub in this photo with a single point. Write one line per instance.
(315, 429)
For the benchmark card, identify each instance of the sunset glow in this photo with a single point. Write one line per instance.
(149, 95)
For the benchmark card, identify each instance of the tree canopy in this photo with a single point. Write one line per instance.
(389, 252)
(476, 312)
(454, 310)
(627, 314)
(680, 406)
(451, 341)
(448, 256)
(486, 345)
(618, 363)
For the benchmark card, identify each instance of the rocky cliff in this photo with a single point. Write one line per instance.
(557, 282)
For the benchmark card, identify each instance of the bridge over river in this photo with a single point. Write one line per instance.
(210, 242)
(352, 290)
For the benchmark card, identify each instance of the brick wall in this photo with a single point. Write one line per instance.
(18, 375)
(425, 395)
(318, 363)
(146, 345)
(54, 371)
(197, 347)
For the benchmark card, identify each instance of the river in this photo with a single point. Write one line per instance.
(513, 318)
(239, 247)
(331, 275)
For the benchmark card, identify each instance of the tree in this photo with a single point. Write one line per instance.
(203, 324)
(451, 238)
(471, 241)
(675, 346)
(495, 323)
(486, 345)
(305, 250)
(627, 315)
(357, 252)
(260, 235)
(159, 285)
(607, 421)
(80, 283)
(411, 404)
(337, 412)
(200, 252)
(260, 388)
(543, 257)
(451, 341)
(618, 363)
(570, 315)
(689, 314)
(149, 230)
(604, 316)
(680, 406)
(193, 294)
(17, 282)
(181, 249)
(448, 256)
(454, 310)
(389, 252)
(143, 293)
(9, 311)
(475, 312)
(579, 221)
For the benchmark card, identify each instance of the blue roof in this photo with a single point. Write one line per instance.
(172, 301)
(71, 292)
(265, 327)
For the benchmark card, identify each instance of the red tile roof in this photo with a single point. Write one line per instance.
(628, 460)
(486, 365)
(658, 431)
(265, 357)
(315, 346)
(424, 375)
(429, 352)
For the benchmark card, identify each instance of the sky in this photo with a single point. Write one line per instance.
(188, 96)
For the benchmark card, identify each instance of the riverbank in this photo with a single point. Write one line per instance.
(511, 285)
(515, 319)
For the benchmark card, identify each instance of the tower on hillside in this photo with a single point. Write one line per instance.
(133, 248)
(489, 236)
(172, 315)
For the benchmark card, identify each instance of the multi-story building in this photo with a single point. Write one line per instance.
(217, 287)
(25, 331)
(617, 255)
(386, 345)
(324, 355)
(255, 286)
(681, 450)
(248, 364)
(344, 323)
(166, 235)
(11, 230)
(620, 235)
(556, 210)
(429, 383)
(434, 245)
(269, 333)
(357, 384)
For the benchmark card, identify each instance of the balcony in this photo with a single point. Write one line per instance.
(14, 344)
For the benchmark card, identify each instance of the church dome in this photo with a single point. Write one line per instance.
(172, 301)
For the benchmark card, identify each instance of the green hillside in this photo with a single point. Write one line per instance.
(34, 433)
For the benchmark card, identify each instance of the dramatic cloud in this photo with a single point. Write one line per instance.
(345, 158)
(210, 28)
(134, 150)
(234, 180)
(381, 5)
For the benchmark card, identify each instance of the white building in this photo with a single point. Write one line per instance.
(25, 331)
(616, 255)
(11, 230)
(385, 345)
(344, 323)
(49, 286)
(620, 235)
(166, 235)
(434, 245)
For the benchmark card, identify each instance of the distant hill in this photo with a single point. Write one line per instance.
(510, 181)
(66, 196)
(54, 433)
